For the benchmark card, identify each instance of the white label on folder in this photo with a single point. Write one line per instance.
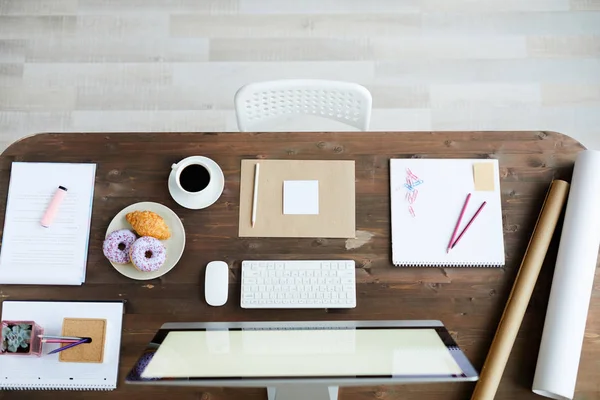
(301, 197)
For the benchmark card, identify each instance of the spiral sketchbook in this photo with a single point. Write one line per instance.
(48, 371)
(427, 196)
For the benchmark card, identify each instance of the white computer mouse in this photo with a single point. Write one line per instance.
(216, 283)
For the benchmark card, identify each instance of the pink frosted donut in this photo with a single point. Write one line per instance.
(116, 246)
(147, 254)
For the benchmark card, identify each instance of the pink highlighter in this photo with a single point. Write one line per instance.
(52, 209)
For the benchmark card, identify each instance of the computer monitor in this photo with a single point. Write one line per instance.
(301, 360)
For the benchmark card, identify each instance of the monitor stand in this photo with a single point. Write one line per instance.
(302, 392)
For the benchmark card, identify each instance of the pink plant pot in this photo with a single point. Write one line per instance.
(35, 342)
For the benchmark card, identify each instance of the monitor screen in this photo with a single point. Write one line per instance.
(267, 354)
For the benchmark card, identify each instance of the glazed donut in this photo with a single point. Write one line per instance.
(116, 246)
(147, 254)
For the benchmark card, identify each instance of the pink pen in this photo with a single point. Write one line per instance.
(52, 209)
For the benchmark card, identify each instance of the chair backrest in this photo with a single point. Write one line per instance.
(259, 103)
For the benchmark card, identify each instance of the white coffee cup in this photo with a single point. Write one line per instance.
(196, 182)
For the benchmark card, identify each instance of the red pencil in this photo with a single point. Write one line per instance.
(462, 212)
(469, 224)
(59, 341)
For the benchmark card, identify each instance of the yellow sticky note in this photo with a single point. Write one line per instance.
(483, 176)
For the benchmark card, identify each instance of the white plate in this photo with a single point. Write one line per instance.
(174, 245)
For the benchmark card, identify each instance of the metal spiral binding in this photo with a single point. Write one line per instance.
(449, 264)
(49, 386)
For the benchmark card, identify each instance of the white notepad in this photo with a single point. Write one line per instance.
(427, 196)
(46, 372)
(32, 254)
(301, 197)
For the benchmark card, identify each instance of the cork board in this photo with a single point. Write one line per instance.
(337, 208)
(88, 352)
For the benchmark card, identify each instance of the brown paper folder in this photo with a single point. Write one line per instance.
(336, 218)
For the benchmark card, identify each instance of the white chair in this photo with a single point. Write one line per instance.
(262, 104)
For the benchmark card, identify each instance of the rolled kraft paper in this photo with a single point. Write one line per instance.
(494, 365)
(562, 338)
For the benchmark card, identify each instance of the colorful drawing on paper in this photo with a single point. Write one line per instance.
(412, 181)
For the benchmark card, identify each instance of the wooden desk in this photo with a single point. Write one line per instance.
(134, 167)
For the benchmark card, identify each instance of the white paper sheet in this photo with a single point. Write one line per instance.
(301, 197)
(46, 371)
(32, 254)
(562, 339)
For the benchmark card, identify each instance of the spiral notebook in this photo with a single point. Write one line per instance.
(427, 196)
(48, 372)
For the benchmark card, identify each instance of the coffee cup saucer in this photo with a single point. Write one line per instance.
(204, 198)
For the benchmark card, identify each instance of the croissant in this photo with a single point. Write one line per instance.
(148, 223)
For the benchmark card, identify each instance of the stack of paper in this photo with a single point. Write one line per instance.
(32, 254)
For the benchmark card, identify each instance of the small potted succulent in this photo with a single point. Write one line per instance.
(21, 338)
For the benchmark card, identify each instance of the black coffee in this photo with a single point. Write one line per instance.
(194, 178)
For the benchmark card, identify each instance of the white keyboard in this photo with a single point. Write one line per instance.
(298, 284)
